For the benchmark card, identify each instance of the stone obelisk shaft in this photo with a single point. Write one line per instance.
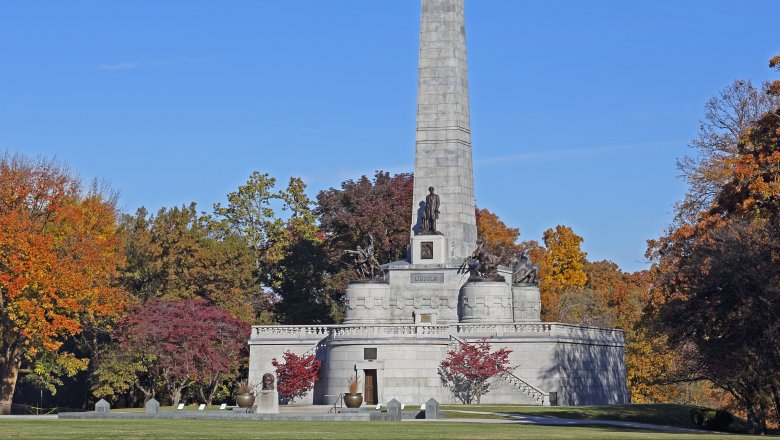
(443, 149)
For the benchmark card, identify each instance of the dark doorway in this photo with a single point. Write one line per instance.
(371, 390)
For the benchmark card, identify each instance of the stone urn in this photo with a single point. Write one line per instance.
(245, 400)
(353, 400)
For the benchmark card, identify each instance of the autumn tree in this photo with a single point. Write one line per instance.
(357, 212)
(716, 290)
(59, 251)
(722, 297)
(175, 254)
(498, 238)
(468, 367)
(295, 375)
(184, 342)
(727, 118)
(560, 269)
(366, 207)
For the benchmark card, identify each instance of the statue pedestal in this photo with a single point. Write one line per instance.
(526, 302)
(429, 249)
(268, 402)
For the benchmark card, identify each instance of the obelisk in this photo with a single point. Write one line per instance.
(443, 146)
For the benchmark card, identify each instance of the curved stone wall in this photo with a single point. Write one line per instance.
(367, 303)
(527, 303)
(485, 301)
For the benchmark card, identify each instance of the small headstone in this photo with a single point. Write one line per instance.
(152, 407)
(180, 407)
(202, 407)
(223, 407)
(102, 407)
(431, 409)
(394, 410)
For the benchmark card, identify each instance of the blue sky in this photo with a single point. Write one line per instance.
(579, 109)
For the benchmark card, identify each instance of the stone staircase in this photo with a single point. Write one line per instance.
(533, 393)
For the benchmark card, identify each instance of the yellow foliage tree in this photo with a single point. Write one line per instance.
(561, 269)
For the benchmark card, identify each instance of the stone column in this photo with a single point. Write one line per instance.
(443, 147)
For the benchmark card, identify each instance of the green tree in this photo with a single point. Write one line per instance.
(174, 254)
(254, 213)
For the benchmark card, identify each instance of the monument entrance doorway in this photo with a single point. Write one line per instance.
(371, 390)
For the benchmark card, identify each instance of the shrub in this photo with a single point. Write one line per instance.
(296, 376)
(713, 420)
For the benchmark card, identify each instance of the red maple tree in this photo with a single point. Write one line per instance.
(467, 368)
(190, 341)
(296, 376)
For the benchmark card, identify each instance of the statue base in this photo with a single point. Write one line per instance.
(429, 249)
(268, 402)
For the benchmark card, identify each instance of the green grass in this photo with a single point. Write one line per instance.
(213, 429)
(658, 414)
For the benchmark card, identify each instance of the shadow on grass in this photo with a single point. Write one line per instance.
(657, 414)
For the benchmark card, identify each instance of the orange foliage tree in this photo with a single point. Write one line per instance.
(499, 238)
(59, 253)
(716, 273)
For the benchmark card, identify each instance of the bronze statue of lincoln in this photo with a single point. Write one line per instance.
(431, 212)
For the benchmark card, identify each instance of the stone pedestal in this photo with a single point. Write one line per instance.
(367, 302)
(267, 402)
(429, 249)
(527, 305)
(485, 301)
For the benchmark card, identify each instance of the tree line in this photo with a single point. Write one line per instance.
(84, 287)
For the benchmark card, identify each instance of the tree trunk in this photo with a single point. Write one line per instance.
(776, 399)
(176, 396)
(176, 388)
(9, 372)
(148, 394)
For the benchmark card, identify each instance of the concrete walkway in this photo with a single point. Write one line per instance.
(554, 421)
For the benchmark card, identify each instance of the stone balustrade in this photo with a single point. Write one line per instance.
(316, 333)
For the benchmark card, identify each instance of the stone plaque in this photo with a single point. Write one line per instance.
(426, 250)
(427, 277)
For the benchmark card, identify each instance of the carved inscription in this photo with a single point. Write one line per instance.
(426, 250)
(427, 277)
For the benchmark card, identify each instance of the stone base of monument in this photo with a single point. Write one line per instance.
(267, 402)
(527, 304)
(485, 301)
(429, 249)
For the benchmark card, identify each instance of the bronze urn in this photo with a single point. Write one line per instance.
(353, 400)
(245, 400)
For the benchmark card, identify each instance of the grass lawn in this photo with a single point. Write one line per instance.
(226, 429)
(658, 414)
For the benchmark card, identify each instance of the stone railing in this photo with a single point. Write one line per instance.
(502, 329)
(391, 331)
(316, 333)
(301, 332)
